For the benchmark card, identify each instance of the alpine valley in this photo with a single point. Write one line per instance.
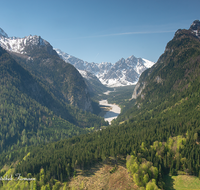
(153, 144)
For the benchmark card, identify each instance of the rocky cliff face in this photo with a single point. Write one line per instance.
(138, 89)
(195, 28)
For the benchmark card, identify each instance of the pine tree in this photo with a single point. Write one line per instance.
(199, 174)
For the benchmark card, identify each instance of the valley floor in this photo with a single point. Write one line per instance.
(181, 182)
(110, 111)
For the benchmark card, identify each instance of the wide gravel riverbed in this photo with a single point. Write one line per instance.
(113, 110)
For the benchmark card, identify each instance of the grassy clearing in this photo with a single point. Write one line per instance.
(102, 176)
(182, 182)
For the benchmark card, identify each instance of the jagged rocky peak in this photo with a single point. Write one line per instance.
(132, 58)
(23, 45)
(35, 40)
(2, 33)
(123, 72)
(122, 60)
(195, 27)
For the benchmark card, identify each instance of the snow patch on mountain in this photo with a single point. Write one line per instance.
(148, 63)
(85, 74)
(117, 82)
(19, 45)
(123, 72)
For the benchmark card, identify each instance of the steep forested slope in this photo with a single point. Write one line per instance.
(39, 58)
(62, 79)
(30, 114)
(174, 76)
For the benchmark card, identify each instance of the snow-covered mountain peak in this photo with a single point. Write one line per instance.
(122, 60)
(123, 72)
(132, 57)
(2, 33)
(20, 45)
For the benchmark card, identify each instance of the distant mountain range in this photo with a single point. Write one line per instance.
(123, 72)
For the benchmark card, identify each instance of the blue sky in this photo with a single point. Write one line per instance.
(100, 30)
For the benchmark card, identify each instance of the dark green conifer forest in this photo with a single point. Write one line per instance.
(32, 115)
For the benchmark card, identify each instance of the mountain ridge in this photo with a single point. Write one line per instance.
(123, 72)
(171, 49)
(111, 75)
(2, 33)
(38, 56)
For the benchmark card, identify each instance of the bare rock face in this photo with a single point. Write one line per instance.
(138, 89)
(158, 80)
(195, 28)
(87, 103)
